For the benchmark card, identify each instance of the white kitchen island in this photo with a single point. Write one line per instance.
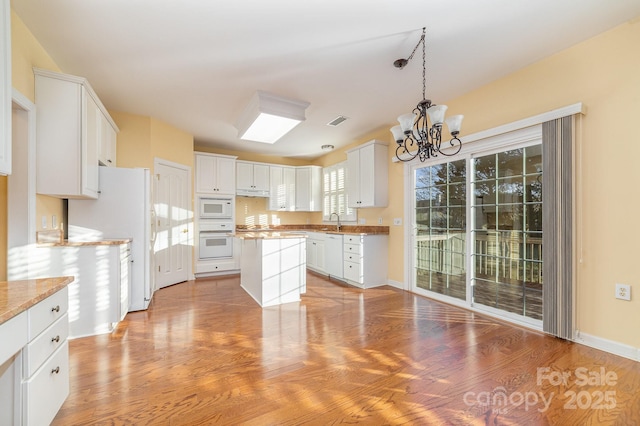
(273, 266)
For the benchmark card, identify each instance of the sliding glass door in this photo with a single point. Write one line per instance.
(507, 231)
(478, 231)
(441, 228)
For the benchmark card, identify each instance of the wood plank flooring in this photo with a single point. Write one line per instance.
(206, 353)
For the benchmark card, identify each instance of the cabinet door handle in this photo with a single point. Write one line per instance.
(55, 308)
(55, 339)
(55, 370)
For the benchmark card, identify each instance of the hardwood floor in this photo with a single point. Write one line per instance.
(206, 353)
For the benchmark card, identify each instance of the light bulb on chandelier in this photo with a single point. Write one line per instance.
(419, 133)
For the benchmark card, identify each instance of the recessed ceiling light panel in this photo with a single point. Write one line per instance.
(269, 117)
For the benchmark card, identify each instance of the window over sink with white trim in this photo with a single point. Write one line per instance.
(334, 194)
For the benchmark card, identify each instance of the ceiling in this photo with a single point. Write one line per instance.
(195, 64)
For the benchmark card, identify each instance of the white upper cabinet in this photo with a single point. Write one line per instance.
(309, 188)
(367, 176)
(5, 88)
(282, 195)
(69, 127)
(107, 155)
(215, 174)
(252, 179)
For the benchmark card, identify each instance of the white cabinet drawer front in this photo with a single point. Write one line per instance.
(47, 312)
(38, 350)
(353, 257)
(352, 239)
(353, 272)
(351, 248)
(47, 389)
(13, 336)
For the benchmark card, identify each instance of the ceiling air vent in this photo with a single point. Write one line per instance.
(337, 121)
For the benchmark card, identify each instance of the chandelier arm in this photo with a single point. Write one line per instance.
(453, 142)
(403, 154)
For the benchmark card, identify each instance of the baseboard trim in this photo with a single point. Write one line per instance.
(609, 346)
(396, 284)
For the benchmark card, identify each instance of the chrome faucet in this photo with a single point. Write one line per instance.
(338, 216)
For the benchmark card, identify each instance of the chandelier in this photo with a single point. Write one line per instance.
(419, 132)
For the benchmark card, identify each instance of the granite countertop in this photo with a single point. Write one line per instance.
(67, 243)
(18, 296)
(323, 228)
(268, 235)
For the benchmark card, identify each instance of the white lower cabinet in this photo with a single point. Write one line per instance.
(365, 260)
(45, 391)
(13, 335)
(100, 291)
(34, 362)
(315, 251)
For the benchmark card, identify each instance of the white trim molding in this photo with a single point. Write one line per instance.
(397, 284)
(577, 108)
(610, 346)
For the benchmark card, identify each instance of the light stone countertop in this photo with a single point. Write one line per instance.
(67, 243)
(18, 296)
(268, 235)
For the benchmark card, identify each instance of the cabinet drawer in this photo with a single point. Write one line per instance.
(44, 393)
(352, 239)
(351, 248)
(45, 313)
(353, 272)
(38, 350)
(353, 257)
(13, 335)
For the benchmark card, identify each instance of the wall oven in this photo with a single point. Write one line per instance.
(216, 208)
(215, 241)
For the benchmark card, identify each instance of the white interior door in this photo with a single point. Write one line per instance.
(174, 223)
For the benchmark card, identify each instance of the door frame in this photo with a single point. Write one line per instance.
(161, 161)
(19, 203)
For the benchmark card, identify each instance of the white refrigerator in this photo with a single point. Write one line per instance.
(123, 210)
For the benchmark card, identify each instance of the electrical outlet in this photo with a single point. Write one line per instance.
(397, 221)
(54, 221)
(623, 291)
(44, 222)
(379, 221)
(363, 221)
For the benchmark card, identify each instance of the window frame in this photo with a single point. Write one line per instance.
(347, 214)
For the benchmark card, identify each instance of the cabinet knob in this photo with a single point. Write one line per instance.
(55, 339)
(55, 370)
(55, 308)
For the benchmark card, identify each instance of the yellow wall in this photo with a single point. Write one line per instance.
(171, 144)
(133, 147)
(142, 139)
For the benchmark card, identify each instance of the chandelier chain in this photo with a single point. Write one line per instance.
(424, 66)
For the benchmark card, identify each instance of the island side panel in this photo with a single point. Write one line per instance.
(251, 268)
(283, 270)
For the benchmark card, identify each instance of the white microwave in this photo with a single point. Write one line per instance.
(216, 208)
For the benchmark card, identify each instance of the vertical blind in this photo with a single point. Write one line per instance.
(558, 266)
